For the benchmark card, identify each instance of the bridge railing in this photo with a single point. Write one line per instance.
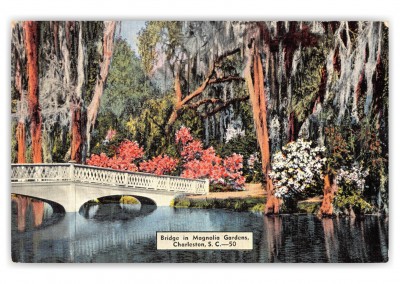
(88, 174)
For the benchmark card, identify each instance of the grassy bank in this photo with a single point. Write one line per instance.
(253, 204)
(249, 204)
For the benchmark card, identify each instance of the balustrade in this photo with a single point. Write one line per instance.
(89, 174)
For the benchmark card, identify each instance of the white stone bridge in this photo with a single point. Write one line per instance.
(72, 185)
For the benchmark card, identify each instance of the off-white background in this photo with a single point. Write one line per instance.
(203, 10)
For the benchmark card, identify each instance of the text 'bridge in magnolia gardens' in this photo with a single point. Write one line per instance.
(72, 185)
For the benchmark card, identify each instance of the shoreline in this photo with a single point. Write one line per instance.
(253, 199)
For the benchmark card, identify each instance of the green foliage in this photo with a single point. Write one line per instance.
(126, 199)
(14, 143)
(346, 200)
(93, 201)
(148, 128)
(126, 92)
(307, 82)
(190, 119)
(158, 34)
(61, 144)
(127, 86)
(253, 204)
(308, 207)
(340, 145)
(28, 154)
(92, 33)
(258, 208)
(246, 146)
(181, 203)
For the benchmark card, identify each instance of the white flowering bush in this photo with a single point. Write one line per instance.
(353, 178)
(296, 168)
(351, 184)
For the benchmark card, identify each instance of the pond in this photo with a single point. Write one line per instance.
(127, 233)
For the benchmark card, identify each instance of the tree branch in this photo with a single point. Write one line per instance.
(226, 54)
(208, 79)
(224, 105)
(201, 102)
(225, 79)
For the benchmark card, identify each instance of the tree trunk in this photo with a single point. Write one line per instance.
(21, 142)
(93, 109)
(31, 31)
(76, 138)
(330, 188)
(178, 104)
(259, 107)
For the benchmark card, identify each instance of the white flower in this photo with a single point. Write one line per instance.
(296, 167)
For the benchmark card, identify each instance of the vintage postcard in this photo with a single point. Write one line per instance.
(199, 141)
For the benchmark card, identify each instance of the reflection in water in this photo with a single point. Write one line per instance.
(114, 211)
(331, 245)
(129, 235)
(30, 212)
(130, 207)
(38, 212)
(273, 235)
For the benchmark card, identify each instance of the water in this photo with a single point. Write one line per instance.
(115, 233)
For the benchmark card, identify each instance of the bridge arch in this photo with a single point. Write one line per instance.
(57, 208)
(109, 208)
(115, 198)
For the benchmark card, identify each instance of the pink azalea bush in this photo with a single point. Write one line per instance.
(204, 163)
(125, 158)
(196, 161)
(160, 165)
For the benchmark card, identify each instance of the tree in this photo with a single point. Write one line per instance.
(126, 95)
(69, 66)
(148, 127)
(31, 32)
(178, 50)
(255, 86)
(76, 104)
(93, 108)
(19, 89)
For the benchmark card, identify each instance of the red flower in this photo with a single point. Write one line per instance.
(160, 165)
(124, 159)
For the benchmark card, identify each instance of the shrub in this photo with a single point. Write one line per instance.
(126, 155)
(296, 168)
(126, 199)
(259, 208)
(354, 201)
(181, 202)
(160, 165)
(204, 163)
(351, 184)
